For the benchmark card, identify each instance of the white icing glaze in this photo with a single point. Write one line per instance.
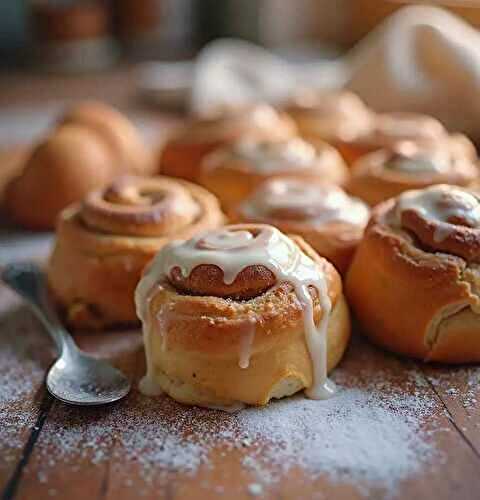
(316, 203)
(273, 156)
(234, 248)
(246, 343)
(440, 204)
(421, 162)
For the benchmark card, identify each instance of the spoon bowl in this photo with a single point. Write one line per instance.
(86, 381)
(75, 378)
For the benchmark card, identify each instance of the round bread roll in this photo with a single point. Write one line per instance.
(182, 155)
(229, 320)
(337, 117)
(92, 145)
(322, 214)
(386, 173)
(413, 282)
(390, 129)
(233, 173)
(104, 243)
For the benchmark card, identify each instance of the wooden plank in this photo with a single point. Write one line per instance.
(24, 356)
(108, 469)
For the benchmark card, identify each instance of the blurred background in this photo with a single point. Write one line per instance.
(55, 51)
(88, 35)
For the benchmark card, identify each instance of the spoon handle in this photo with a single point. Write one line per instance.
(29, 282)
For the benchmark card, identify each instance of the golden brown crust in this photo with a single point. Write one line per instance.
(384, 174)
(185, 151)
(92, 145)
(93, 271)
(414, 300)
(195, 351)
(232, 177)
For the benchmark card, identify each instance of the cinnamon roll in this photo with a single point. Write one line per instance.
(414, 280)
(322, 214)
(184, 152)
(104, 243)
(391, 128)
(241, 315)
(234, 172)
(337, 117)
(92, 145)
(387, 173)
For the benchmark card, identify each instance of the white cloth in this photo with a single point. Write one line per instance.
(422, 59)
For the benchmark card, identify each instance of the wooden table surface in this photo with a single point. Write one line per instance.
(49, 450)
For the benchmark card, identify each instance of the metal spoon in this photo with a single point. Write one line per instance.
(75, 378)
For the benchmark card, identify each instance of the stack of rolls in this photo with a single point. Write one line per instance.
(104, 242)
(91, 145)
(241, 315)
(245, 313)
(234, 172)
(386, 173)
(184, 152)
(323, 214)
(414, 280)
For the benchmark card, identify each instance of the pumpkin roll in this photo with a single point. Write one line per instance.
(337, 117)
(386, 173)
(91, 145)
(233, 173)
(326, 217)
(104, 242)
(184, 152)
(241, 315)
(415, 279)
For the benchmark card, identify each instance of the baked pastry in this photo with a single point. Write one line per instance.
(336, 117)
(322, 214)
(104, 243)
(239, 316)
(234, 172)
(392, 128)
(91, 146)
(414, 280)
(386, 173)
(184, 152)
(12, 160)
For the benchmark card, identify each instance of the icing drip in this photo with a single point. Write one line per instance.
(272, 156)
(246, 343)
(235, 248)
(314, 203)
(445, 206)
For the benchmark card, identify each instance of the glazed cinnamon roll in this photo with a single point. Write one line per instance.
(414, 280)
(392, 128)
(241, 315)
(337, 117)
(104, 243)
(322, 214)
(387, 173)
(184, 152)
(91, 145)
(233, 173)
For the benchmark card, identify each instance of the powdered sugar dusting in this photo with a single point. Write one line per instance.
(377, 431)
(369, 435)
